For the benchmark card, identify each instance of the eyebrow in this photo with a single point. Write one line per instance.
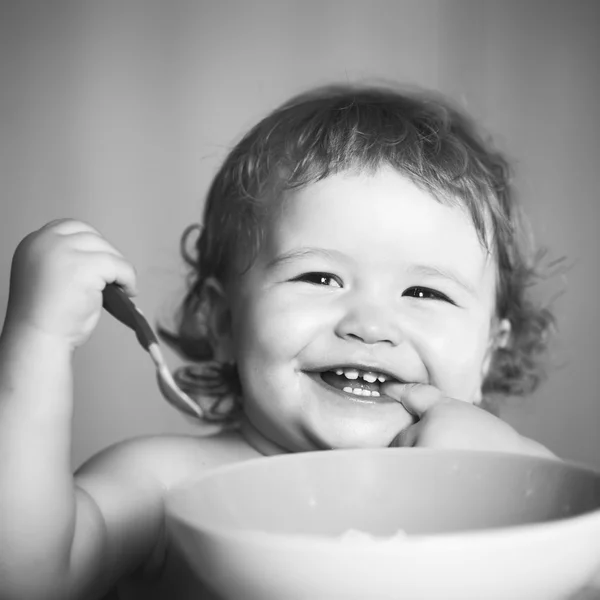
(304, 252)
(444, 273)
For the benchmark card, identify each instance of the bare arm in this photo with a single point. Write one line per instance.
(62, 538)
(35, 418)
(58, 537)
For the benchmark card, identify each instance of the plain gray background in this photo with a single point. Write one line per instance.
(119, 113)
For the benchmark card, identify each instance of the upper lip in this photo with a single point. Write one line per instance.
(365, 367)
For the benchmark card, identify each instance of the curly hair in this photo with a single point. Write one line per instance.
(351, 127)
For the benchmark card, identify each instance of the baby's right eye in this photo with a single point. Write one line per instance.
(326, 279)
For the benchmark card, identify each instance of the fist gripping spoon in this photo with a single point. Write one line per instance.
(116, 302)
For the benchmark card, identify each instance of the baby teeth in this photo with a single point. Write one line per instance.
(368, 376)
(360, 391)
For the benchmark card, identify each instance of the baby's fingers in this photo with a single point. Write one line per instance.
(79, 244)
(417, 398)
(113, 268)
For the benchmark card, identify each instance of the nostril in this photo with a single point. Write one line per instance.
(355, 337)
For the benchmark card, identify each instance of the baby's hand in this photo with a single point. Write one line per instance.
(447, 423)
(57, 277)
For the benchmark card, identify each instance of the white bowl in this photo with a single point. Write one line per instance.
(441, 524)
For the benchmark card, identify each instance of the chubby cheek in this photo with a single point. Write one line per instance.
(269, 337)
(454, 359)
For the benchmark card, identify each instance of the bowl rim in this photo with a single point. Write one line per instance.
(581, 521)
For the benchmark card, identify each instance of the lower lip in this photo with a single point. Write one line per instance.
(370, 400)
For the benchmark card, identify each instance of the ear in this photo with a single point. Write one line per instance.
(502, 333)
(218, 320)
(499, 338)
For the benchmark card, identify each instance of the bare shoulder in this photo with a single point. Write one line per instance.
(120, 494)
(167, 460)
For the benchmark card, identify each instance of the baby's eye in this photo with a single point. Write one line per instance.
(320, 279)
(426, 294)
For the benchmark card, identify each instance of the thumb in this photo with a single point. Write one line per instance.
(417, 398)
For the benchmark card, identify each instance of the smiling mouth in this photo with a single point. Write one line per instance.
(356, 382)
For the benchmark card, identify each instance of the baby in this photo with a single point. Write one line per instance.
(360, 280)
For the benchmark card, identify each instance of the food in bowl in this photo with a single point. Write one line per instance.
(355, 536)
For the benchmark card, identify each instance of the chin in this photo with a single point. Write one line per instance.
(355, 427)
(341, 438)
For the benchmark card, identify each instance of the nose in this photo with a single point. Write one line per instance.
(370, 323)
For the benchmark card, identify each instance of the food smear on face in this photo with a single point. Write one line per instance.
(355, 536)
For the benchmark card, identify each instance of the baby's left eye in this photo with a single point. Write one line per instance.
(426, 294)
(326, 279)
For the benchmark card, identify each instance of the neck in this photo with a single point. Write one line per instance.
(258, 441)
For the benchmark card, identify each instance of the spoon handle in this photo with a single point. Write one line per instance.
(117, 303)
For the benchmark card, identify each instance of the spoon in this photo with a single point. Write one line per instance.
(116, 302)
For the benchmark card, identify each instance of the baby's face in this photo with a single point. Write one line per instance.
(360, 275)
